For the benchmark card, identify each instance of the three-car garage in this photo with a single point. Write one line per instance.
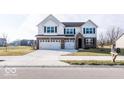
(56, 44)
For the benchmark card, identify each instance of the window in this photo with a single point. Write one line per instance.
(89, 41)
(48, 40)
(86, 41)
(89, 30)
(53, 40)
(69, 31)
(50, 29)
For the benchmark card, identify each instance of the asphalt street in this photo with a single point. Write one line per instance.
(61, 72)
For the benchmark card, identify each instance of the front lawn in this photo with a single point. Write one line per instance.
(93, 62)
(94, 52)
(15, 51)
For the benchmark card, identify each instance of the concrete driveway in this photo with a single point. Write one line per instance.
(37, 58)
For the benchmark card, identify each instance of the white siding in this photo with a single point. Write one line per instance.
(78, 30)
(51, 22)
(120, 42)
(89, 35)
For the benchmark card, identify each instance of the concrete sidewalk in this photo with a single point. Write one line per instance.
(90, 58)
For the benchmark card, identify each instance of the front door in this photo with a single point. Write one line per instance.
(79, 43)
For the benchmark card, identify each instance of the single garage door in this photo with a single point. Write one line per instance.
(69, 44)
(49, 45)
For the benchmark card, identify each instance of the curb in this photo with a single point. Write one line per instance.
(71, 66)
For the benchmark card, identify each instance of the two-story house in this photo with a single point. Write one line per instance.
(53, 34)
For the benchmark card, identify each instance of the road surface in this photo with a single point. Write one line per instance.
(61, 72)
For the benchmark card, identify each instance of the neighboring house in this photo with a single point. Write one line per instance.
(2, 42)
(15, 43)
(26, 42)
(23, 42)
(120, 42)
(53, 34)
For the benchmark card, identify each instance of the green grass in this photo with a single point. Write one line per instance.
(15, 51)
(94, 52)
(93, 62)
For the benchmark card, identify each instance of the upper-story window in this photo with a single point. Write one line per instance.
(51, 29)
(89, 30)
(69, 31)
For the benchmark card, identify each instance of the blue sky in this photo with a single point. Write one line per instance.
(23, 26)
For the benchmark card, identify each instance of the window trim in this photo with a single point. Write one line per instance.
(69, 31)
(89, 30)
(50, 29)
(89, 41)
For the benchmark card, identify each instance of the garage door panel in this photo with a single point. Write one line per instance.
(69, 45)
(49, 45)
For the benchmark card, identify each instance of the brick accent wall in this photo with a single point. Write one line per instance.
(92, 45)
(37, 43)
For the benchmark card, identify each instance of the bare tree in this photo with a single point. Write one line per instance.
(6, 44)
(101, 40)
(113, 34)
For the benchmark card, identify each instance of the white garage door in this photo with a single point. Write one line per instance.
(69, 44)
(49, 45)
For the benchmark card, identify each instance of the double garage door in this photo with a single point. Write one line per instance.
(49, 45)
(56, 44)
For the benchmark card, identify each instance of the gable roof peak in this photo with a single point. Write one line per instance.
(92, 22)
(50, 17)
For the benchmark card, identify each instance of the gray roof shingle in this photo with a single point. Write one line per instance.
(73, 24)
